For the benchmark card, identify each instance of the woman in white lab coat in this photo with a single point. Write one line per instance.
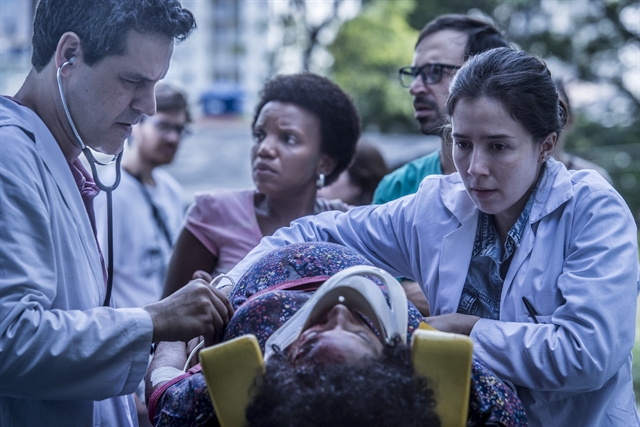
(536, 263)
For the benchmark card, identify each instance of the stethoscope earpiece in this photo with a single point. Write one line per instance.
(69, 61)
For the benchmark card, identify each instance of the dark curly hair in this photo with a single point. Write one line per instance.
(521, 82)
(103, 25)
(339, 119)
(379, 392)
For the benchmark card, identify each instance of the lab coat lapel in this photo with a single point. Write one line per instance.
(552, 193)
(52, 156)
(457, 246)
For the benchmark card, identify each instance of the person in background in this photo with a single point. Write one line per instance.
(537, 264)
(356, 185)
(572, 161)
(65, 360)
(443, 45)
(305, 131)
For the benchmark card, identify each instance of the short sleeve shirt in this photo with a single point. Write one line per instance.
(406, 180)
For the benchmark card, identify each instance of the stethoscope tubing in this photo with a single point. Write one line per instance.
(108, 189)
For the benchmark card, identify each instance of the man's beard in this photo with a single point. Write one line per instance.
(430, 125)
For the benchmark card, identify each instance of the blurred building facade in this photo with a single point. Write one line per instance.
(16, 17)
(225, 62)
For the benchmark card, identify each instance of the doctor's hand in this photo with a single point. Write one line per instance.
(453, 322)
(196, 309)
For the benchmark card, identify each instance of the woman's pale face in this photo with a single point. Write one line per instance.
(498, 160)
(340, 336)
(286, 156)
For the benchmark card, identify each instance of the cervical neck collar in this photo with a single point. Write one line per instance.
(350, 288)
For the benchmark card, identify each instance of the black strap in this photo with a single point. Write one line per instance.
(107, 296)
(157, 213)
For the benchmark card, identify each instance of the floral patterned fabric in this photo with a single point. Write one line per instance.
(491, 401)
(187, 402)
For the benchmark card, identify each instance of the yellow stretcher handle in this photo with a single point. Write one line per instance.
(230, 370)
(445, 359)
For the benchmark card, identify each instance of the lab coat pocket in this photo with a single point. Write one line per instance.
(525, 318)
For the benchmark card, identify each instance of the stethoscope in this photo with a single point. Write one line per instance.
(108, 189)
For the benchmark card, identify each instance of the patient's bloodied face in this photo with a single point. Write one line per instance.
(340, 336)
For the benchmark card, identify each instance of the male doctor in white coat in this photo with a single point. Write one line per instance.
(65, 359)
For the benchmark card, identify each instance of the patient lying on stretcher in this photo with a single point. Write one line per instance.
(343, 369)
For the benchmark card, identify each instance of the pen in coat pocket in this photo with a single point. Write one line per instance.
(532, 311)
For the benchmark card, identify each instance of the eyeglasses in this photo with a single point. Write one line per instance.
(431, 74)
(166, 127)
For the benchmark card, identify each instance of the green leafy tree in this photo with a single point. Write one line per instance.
(367, 52)
(590, 40)
(617, 149)
(427, 10)
(304, 31)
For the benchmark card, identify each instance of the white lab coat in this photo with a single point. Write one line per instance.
(577, 264)
(63, 358)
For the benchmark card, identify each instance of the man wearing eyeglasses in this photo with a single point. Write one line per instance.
(442, 47)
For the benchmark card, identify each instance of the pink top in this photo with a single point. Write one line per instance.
(224, 221)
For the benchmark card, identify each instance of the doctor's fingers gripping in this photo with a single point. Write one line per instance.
(189, 312)
(221, 297)
(221, 313)
(211, 310)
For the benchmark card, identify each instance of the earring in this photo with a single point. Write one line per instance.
(320, 181)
